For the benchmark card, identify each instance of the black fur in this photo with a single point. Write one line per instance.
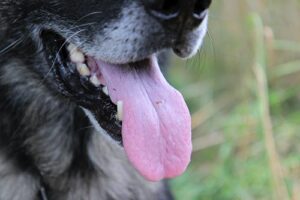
(46, 140)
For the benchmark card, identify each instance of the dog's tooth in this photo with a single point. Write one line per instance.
(105, 90)
(83, 69)
(119, 115)
(71, 47)
(76, 57)
(95, 81)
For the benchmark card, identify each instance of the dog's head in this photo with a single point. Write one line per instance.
(101, 54)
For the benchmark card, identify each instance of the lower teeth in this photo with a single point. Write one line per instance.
(120, 110)
(95, 81)
(105, 90)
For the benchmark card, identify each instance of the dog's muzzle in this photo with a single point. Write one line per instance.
(130, 100)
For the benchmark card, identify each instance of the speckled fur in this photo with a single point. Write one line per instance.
(47, 140)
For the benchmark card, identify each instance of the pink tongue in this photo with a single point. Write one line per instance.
(156, 126)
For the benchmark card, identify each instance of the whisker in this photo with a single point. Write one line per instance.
(57, 54)
(83, 25)
(11, 45)
(211, 39)
(88, 15)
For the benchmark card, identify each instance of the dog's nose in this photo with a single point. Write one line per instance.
(175, 12)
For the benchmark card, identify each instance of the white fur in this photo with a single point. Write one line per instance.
(202, 33)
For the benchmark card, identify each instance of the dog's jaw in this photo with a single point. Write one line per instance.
(128, 38)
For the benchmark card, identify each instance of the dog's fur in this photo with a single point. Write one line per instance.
(46, 141)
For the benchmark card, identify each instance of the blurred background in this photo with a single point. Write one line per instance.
(243, 90)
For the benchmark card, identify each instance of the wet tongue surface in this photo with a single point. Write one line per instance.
(156, 126)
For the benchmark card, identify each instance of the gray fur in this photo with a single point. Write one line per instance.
(15, 184)
(46, 139)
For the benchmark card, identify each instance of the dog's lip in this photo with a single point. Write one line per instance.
(79, 88)
(116, 62)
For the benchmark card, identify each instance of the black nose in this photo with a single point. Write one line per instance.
(178, 11)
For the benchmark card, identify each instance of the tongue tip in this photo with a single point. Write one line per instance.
(164, 170)
(165, 174)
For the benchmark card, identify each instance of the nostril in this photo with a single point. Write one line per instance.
(200, 7)
(170, 6)
(164, 9)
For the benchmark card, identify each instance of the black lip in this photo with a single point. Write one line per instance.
(71, 85)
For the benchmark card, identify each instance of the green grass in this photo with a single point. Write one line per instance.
(243, 90)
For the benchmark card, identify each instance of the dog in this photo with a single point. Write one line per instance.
(85, 112)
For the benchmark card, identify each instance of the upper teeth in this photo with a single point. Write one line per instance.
(71, 47)
(105, 90)
(119, 115)
(78, 58)
(83, 69)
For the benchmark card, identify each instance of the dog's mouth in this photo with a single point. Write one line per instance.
(132, 102)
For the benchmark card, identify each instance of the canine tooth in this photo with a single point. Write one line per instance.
(95, 81)
(119, 115)
(83, 69)
(77, 57)
(105, 90)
